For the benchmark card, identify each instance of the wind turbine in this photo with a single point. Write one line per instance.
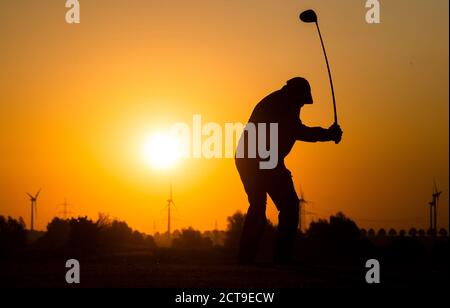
(432, 214)
(33, 200)
(436, 193)
(436, 196)
(169, 204)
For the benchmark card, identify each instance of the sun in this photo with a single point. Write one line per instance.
(162, 151)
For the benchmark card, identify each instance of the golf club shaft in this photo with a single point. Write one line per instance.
(329, 74)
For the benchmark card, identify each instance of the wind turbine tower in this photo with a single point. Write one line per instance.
(33, 200)
(169, 204)
(433, 208)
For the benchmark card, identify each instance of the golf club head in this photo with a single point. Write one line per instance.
(308, 16)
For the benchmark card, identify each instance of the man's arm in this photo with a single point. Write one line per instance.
(316, 134)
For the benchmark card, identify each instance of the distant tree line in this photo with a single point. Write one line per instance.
(413, 232)
(80, 234)
(339, 236)
(86, 235)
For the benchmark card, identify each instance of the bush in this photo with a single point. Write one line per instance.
(58, 233)
(117, 235)
(192, 239)
(339, 236)
(12, 235)
(234, 230)
(83, 234)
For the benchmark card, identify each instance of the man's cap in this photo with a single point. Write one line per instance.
(301, 87)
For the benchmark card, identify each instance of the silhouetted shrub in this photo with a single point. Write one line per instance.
(422, 233)
(363, 232)
(12, 235)
(83, 234)
(163, 240)
(412, 232)
(431, 232)
(343, 227)
(216, 236)
(117, 235)
(234, 230)
(392, 232)
(175, 234)
(149, 242)
(381, 232)
(192, 240)
(57, 235)
(442, 232)
(340, 235)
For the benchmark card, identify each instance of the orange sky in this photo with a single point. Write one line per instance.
(77, 102)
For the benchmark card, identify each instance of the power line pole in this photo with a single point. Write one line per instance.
(65, 210)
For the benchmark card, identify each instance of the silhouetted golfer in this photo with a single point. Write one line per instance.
(282, 107)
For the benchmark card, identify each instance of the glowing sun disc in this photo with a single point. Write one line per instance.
(162, 151)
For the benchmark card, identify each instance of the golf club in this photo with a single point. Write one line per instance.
(309, 16)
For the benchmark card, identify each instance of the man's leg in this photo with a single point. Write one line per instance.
(255, 220)
(283, 194)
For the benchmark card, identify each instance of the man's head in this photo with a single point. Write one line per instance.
(298, 90)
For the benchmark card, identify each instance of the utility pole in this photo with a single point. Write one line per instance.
(65, 210)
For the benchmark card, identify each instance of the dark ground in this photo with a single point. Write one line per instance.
(168, 268)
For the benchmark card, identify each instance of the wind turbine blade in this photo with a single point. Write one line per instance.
(29, 195)
(37, 194)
